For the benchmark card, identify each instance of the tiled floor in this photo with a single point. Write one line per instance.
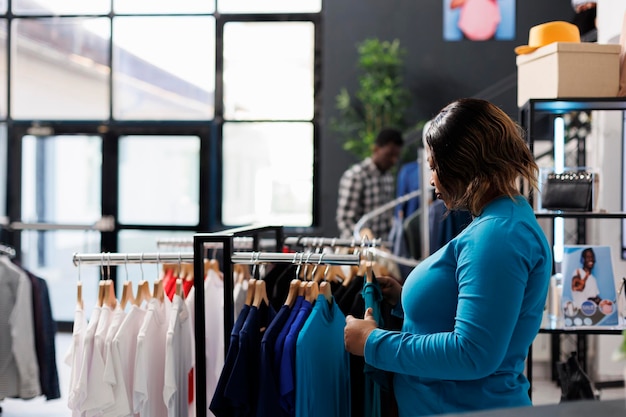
(544, 391)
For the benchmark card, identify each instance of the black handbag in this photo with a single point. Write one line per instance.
(571, 190)
(575, 383)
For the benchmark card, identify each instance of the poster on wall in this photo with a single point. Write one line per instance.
(589, 294)
(478, 20)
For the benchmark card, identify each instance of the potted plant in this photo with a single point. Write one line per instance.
(380, 100)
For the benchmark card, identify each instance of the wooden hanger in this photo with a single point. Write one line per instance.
(332, 273)
(327, 291)
(369, 270)
(127, 294)
(157, 290)
(380, 270)
(242, 272)
(260, 294)
(311, 292)
(170, 267)
(188, 272)
(79, 295)
(101, 289)
(143, 293)
(302, 288)
(109, 294)
(250, 292)
(213, 265)
(353, 273)
(179, 288)
(294, 287)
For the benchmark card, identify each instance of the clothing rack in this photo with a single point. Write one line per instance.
(226, 240)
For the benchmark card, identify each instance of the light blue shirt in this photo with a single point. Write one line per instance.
(322, 364)
(471, 312)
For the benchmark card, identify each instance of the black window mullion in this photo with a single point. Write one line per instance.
(110, 189)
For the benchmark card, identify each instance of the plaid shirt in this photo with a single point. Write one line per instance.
(363, 188)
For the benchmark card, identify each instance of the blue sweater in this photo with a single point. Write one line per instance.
(471, 311)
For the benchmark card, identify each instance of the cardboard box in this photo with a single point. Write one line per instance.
(565, 69)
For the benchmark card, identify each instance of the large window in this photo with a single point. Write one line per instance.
(160, 173)
(171, 117)
(268, 165)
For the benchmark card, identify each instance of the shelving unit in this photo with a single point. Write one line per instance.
(538, 114)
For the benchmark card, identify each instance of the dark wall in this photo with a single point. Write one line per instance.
(437, 72)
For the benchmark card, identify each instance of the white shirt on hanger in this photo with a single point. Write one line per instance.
(98, 394)
(73, 358)
(124, 350)
(112, 370)
(150, 361)
(179, 360)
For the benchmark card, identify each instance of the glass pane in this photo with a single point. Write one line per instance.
(268, 174)
(159, 180)
(61, 179)
(269, 6)
(73, 53)
(49, 255)
(3, 69)
(163, 6)
(57, 7)
(3, 6)
(268, 71)
(154, 77)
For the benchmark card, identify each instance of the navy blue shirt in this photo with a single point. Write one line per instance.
(288, 361)
(220, 405)
(268, 398)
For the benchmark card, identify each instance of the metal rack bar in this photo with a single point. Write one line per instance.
(279, 257)
(327, 241)
(371, 245)
(242, 242)
(250, 258)
(379, 210)
(104, 224)
(108, 258)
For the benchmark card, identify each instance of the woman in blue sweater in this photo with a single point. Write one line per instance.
(471, 309)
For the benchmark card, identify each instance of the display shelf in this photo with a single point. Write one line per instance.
(581, 214)
(536, 116)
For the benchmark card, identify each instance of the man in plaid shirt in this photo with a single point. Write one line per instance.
(368, 185)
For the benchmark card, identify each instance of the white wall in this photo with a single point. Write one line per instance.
(606, 153)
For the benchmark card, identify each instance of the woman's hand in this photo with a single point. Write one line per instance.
(356, 332)
(391, 289)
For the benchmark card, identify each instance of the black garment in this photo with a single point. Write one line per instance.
(220, 405)
(444, 225)
(45, 331)
(350, 301)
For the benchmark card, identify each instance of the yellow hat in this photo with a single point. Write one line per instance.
(547, 33)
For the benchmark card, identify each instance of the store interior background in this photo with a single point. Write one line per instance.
(437, 72)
